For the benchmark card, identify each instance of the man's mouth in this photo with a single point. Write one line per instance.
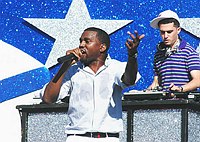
(83, 51)
(166, 41)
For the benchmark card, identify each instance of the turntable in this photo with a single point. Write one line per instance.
(143, 95)
(160, 95)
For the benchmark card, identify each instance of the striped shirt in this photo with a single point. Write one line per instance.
(175, 68)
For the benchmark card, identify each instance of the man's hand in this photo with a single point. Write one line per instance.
(173, 87)
(133, 43)
(76, 52)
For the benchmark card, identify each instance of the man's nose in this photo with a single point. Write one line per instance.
(165, 34)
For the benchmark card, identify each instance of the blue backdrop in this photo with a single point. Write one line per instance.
(16, 31)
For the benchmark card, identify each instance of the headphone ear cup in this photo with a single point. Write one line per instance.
(161, 46)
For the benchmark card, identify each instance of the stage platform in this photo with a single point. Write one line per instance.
(144, 120)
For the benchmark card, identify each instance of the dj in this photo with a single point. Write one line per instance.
(176, 63)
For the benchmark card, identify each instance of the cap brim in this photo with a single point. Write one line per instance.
(154, 22)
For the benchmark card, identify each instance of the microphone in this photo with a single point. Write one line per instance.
(67, 58)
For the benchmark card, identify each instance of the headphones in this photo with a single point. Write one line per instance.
(167, 50)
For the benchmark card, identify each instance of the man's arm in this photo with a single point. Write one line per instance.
(192, 85)
(53, 87)
(130, 74)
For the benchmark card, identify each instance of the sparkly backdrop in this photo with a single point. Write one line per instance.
(34, 33)
(18, 31)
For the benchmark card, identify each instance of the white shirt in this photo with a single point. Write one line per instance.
(95, 99)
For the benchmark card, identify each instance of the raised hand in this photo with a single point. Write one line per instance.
(133, 43)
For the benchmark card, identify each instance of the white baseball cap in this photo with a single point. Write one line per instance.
(164, 15)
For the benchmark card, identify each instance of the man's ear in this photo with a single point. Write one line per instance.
(103, 47)
(179, 30)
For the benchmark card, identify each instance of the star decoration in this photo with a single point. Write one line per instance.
(198, 50)
(191, 25)
(66, 32)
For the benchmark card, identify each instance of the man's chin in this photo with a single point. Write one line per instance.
(167, 43)
(84, 61)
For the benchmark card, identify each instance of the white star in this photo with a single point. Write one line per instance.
(191, 25)
(198, 49)
(67, 31)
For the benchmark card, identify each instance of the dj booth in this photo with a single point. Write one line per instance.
(145, 119)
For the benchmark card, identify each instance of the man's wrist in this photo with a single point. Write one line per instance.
(180, 88)
(133, 55)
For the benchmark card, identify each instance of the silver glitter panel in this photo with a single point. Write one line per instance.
(157, 125)
(123, 135)
(46, 127)
(50, 127)
(193, 126)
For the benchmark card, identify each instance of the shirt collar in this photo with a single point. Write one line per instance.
(107, 63)
(182, 44)
(108, 60)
